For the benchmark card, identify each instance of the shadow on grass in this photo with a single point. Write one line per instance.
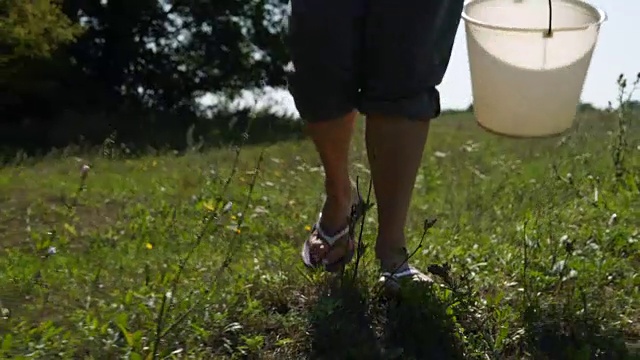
(348, 323)
(418, 326)
(341, 324)
(554, 334)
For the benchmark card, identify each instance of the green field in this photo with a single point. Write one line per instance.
(535, 252)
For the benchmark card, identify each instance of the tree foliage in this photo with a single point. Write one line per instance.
(33, 29)
(92, 67)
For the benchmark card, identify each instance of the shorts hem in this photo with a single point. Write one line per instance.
(422, 107)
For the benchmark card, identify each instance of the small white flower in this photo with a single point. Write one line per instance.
(558, 267)
(84, 171)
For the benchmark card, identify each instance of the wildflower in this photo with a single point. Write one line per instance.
(238, 231)
(234, 218)
(208, 205)
(307, 228)
(148, 245)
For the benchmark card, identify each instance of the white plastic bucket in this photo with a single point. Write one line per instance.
(525, 81)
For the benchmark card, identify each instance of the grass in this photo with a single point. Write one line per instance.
(535, 251)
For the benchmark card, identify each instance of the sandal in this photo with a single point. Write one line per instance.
(392, 281)
(357, 212)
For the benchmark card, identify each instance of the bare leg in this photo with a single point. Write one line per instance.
(394, 148)
(333, 140)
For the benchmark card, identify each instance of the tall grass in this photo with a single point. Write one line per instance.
(535, 252)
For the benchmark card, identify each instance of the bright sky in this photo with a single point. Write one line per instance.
(615, 54)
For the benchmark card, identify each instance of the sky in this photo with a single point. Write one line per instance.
(614, 54)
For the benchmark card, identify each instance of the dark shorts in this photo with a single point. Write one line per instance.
(380, 57)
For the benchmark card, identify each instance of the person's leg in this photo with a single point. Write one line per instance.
(407, 49)
(324, 44)
(332, 140)
(395, 147)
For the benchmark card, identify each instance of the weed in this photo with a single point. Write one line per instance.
(535, 252)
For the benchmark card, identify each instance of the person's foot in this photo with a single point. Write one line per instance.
(331, 242)
(396, 271)
(394, 281)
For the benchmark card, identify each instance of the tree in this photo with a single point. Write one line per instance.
(167, 52)
(31, 33)
(32, 30)
(142, 64)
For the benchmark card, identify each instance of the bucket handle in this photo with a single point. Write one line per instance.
(548, 31)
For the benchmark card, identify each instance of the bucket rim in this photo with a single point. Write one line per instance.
(601, 14)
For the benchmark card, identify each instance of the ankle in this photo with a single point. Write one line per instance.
(335, 213)
(392, 258)
(339, 196)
